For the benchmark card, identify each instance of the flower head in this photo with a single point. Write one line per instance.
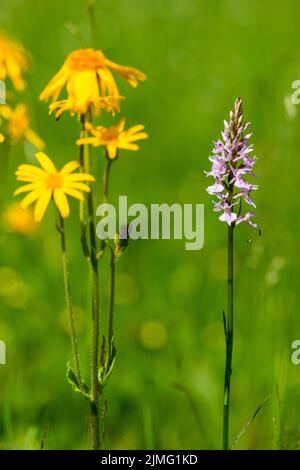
(2, 138)
(47, 182)
(114, 137)
(231, 164)
(18, 125)
(87, 75)
(13, 61)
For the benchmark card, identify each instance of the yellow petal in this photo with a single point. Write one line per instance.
(61, 202)
(83, 87)
(31, 197)
(27, 178)
(55, 85)
(74, 193)
(107, 83)
(69, 167)
(31, 170)
(89, 140)
(131, 74)
(112, 151)
(121, 125)
(27, 187)
(135, 129)
(45, 162)
(74, 185)
(79, 177)
(41, 205)
(128, 146)
(139, 136)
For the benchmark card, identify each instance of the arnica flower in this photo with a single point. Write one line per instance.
(13, 62)
(18, 125)
(231, 165)
(87, 75)
(48, 182)
(2, 138)
(114, 137)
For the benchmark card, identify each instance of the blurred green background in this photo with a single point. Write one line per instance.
(167, 385)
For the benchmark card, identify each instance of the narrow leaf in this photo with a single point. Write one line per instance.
(73, 380)
(246, 427)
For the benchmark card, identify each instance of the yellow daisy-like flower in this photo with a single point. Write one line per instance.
(47, 182)
(2, 138)
(18, 125)
(13, 61)
(114, 137)
(87, 75)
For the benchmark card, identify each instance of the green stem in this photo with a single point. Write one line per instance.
(74, 341)
(82, 203)
(91, 254)
(229, 340)
(95, 389)
(90, 6)
(106, 179)
(112, 304)
(4, 160)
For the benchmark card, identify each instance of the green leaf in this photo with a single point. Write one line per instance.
(106, 370)
(245, 428)
(112, 361)
(73, 380)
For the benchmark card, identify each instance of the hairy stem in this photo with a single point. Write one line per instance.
(74, 341)
(112, 304)
(90, 251)
(82, 203)
(90, 7)
(95, 389)
(229, 340)
(106, 179)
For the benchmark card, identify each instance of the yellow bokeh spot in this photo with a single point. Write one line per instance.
(153, 335)
(127, 292)
(13, 290)
(18, 220)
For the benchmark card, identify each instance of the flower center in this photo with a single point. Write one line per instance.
(86, 59)
(54, 181)
(111, 133)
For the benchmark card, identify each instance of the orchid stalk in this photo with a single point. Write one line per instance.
(231, 165)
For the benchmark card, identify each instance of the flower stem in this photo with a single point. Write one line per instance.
(91, 254)
(112, 304)
(106, 174)
(106, 179)
(74, 341)
(83, 240)
(90, 6)
(229, 340)
(95, 389)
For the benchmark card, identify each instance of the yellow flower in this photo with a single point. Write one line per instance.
(48, 182)
(2, 138)
(87, 75)
(18, 125)
(114, 137)
(19, 220)
(13, 61)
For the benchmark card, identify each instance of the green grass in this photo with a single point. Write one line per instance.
(198, 57)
